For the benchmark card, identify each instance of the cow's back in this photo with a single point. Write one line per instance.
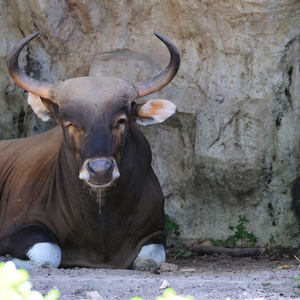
(26, 169)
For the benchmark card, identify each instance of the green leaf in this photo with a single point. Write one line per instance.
(52, 295)
(168, 293)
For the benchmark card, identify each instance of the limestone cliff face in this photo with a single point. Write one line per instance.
(234, 146)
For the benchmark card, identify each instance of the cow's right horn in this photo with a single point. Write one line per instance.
(157, 82)
(27, 83)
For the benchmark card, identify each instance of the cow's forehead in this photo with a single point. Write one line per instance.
(85, 91)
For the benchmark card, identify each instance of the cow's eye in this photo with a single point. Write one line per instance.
(67, 123)
(120, 122)
(70, 125)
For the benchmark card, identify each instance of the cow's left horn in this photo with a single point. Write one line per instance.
(27, 83)
(157, 82)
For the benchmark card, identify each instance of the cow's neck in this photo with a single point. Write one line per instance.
(77, 205)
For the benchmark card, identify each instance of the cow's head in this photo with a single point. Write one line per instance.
(96, 112)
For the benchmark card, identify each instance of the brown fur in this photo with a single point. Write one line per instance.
(37, 188)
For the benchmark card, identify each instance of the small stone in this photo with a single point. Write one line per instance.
(188, 270)
(164, 285)
(169, 267)
(93, 296)
(207, 243)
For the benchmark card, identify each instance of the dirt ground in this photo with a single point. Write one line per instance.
(269, 276)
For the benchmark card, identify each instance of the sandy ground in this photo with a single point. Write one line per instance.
(207, 277)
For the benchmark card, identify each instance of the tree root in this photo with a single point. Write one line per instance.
(235, 252)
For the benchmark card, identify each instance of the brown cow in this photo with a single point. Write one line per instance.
(84, 193)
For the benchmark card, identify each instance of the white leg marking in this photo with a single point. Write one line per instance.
(150, 258)
(41, 255)
(22, 264)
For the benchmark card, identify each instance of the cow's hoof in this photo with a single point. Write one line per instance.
(45, 255)
(150, 258)
(41, 255)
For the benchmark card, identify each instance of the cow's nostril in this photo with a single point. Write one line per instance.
(100, 167)
(90, 168)
(111, 166)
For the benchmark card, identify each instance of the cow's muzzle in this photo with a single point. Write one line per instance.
(100, 172)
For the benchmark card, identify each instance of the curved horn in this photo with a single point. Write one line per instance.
(157, 82)
(27, 83)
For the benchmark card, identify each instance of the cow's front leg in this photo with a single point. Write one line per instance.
(32, 247)
(150, 257)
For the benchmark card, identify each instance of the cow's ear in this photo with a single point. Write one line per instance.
(155, 112)
(40, 106)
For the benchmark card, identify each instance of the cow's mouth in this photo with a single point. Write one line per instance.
(101, 172)
(96, 185)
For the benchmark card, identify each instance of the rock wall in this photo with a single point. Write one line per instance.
(234, 146)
